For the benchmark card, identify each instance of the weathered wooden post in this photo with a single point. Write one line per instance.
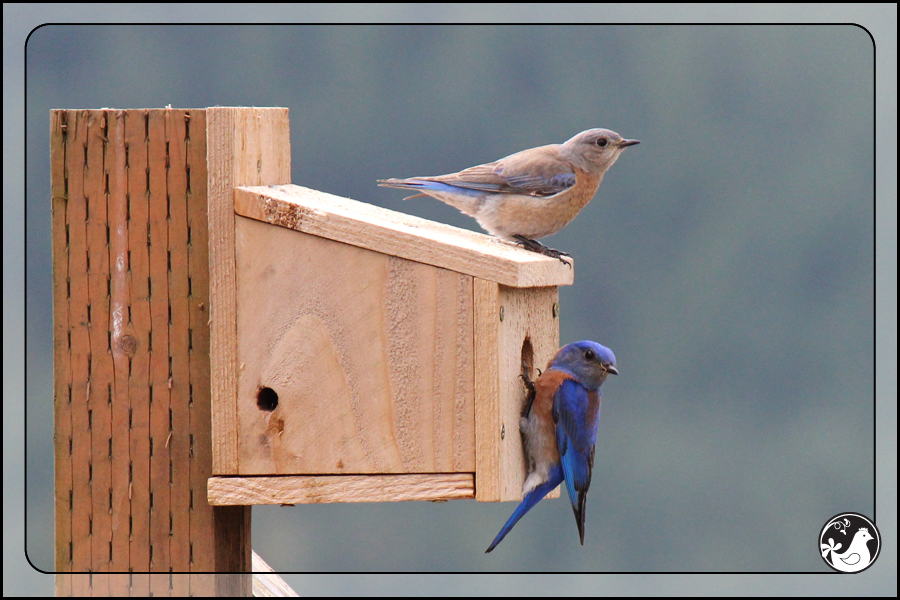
(224, 339)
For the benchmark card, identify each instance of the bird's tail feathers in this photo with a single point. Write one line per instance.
(463, 199)
(579, 514)
(401, 184)
(577, 474)
(528, 502)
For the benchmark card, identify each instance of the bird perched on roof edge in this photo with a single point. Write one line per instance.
(530, 194)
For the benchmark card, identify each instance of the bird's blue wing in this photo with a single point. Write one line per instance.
(576, 414)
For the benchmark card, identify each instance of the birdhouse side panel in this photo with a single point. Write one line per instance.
(350, 361)
(517, 332)
(529, 335)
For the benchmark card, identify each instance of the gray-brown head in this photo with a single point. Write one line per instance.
(595, 150)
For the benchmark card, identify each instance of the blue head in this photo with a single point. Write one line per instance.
(588, 361)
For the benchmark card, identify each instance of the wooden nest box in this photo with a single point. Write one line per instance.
(377, 355)
(368, 355)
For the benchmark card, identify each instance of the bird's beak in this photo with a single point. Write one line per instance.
(625, 143)
(611, 369)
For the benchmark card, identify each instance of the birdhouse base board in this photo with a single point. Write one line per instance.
(315, 489)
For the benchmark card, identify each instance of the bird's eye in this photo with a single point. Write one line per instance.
(602, 142)
(589, 355)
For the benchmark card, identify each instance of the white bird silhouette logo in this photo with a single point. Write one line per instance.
(855, 558)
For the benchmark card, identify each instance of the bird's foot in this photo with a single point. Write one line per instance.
(536, 246)
(529, 385)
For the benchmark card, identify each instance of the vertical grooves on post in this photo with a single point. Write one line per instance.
(178, 523)
(63, 381)
(78, 341)
(139, 489)
(100, 373)
(131, 285)
(159, 383)
(120, 337)
(199, 450)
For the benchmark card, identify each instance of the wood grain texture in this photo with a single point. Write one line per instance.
(245, 146)
(138, 259)
(199, 448)
(487, 390)
(341, 488)
(100, 368)
(370, 357)
(137, 585)
(62, 376)
(77, 349)
(131, 353)
(179, 342)
(528, 329)
(159, 401)
(121, 331)
(267, 583)
(398, 234)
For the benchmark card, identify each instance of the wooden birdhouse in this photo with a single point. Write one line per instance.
(375, 355)
(369, 355)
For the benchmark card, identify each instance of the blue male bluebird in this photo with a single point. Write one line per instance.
(559, 426)
(530, 194)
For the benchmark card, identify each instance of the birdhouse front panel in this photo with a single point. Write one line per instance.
(351, 361)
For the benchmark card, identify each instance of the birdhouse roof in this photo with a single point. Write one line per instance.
(398, 234)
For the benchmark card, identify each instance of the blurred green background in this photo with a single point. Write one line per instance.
(727, 260)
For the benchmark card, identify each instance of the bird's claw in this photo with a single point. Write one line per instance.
(526, 368)
(536, 246)
(529, 385)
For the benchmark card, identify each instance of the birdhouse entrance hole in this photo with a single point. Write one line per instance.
(528, 359)
(266, 399)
